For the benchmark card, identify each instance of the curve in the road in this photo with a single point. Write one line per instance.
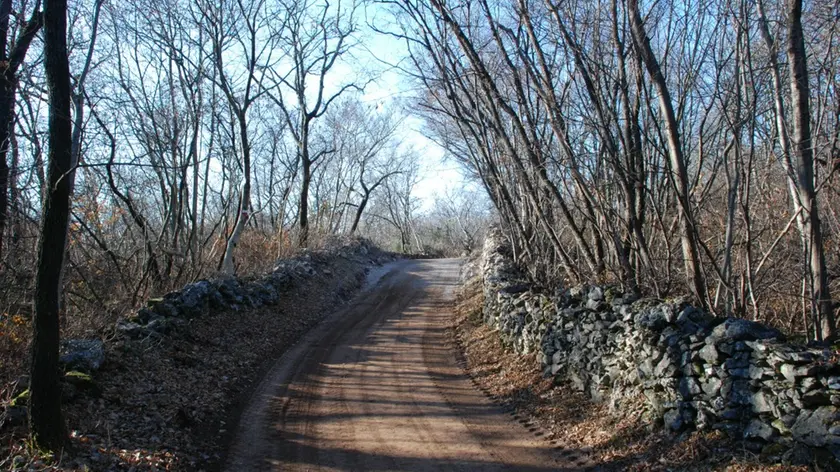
(378, 386)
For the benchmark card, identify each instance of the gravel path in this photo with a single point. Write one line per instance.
(378, 386)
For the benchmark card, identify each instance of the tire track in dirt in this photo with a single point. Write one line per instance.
(379, 386)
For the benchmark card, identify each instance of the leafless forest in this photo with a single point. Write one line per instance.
(206, 137)
(145, 145)
(669, 147)
(685, 147)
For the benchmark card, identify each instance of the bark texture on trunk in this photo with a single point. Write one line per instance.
(46, 421)
(244, 213)
(679, 173)
(803, 157)
(8, 88)
(306, 177)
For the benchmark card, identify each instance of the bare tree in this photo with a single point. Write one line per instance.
(242, 26)
(678, 170)
(317, 35)
(638, 146)
(823, 308)
(12, 55)
(397, 206)
(366, 152)
(46, 422)
(463, 216)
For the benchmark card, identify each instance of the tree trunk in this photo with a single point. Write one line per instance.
(244, 199)
(8, 88)
(359, 212)
(7, 104)
(8, 84)
(46, 422)
(822, 307)
(679, 173)
(781, 121)
(306, 178)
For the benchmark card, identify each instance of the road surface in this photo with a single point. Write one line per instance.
(377, 386)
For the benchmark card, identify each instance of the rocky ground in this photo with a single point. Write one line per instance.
(168, 399)
(569, 420)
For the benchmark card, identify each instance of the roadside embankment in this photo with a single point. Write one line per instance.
(669, 362)
(162, 391)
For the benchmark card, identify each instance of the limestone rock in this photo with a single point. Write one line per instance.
(86, 355)
(655, 318)
(758, 429)
(711, 386)
(812, 427)
(691, 369)
(736, 329)
(82, 382)
(710, 354)
(232, 292)
(665, 368)
(129, 328)
(761, 403)
(515, 289)
(689, 388)
(792, 372)
(196, 298)
(673, 420)
(816, 398)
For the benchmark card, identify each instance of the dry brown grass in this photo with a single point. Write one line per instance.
(98, 294)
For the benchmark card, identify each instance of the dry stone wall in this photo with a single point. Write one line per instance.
(686, 367)
(167, 314)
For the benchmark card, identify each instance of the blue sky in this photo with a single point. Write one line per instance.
(437, 175)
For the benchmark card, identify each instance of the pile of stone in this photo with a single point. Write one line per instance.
(167, 314)
(81, 358)
(689, 369)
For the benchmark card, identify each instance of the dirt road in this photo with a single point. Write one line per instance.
(378, 386)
